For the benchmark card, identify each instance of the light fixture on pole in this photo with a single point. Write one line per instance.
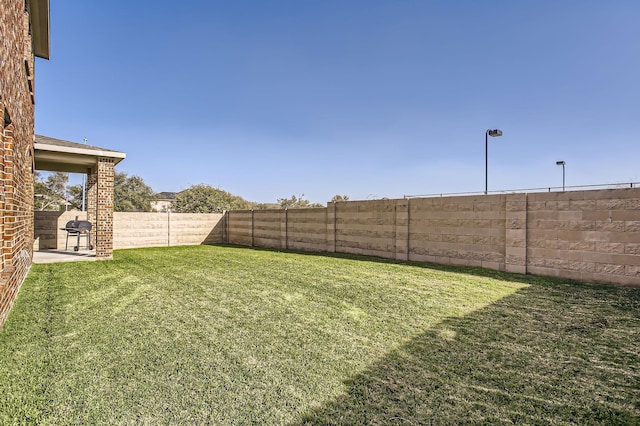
(494, 133)
(561, 163)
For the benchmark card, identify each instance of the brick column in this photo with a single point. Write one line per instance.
(91, 200)
(515, 256)
(104, 231)
(100, 206)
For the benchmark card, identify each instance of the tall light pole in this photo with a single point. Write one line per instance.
(561, 163)
(494, 133)
(84, 186)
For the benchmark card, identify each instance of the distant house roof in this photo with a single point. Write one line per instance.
(166, 196)
(39, 17)
(64, 156)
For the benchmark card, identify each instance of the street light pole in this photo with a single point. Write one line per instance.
(561, 163)
(493, 133)
(84, 186)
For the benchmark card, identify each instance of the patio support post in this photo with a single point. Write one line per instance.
(401, 231)
(91, 198)
(100, 206)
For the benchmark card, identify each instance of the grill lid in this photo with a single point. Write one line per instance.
(78, 225)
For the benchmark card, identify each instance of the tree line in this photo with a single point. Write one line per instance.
(132, 194)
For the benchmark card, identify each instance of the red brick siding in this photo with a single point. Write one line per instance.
(104, 223)
(16, 150)
(100, 206)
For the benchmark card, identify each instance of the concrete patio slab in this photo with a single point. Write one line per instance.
(58, 256)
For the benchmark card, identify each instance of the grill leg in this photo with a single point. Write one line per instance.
(66, 244)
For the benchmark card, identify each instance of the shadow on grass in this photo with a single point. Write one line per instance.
(544, 355)
(555, 352)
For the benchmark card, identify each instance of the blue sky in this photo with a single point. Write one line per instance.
(371, 99)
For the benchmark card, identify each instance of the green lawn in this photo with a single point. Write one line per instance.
(227, 335)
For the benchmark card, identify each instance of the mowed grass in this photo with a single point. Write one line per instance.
(228, 335)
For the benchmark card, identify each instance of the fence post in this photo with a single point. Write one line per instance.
(225, 235)
(168, 228)
(331, 226)
(401, 231)
(515, 255)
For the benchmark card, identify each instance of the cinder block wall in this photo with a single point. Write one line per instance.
(268, 228)
(306, 229)
(48, 234)
(366, 227)
(16, 150)
(458, 230)
(588, 235)
(239, 227)
(584, 235)
(194, 228)
(134, 230)
(131, 230)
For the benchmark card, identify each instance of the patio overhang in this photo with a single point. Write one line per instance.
(58, 155)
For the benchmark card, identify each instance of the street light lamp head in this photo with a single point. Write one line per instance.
(492, 133)
(561, 163)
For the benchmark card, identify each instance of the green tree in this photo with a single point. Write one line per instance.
(131, 194)
(203, 198)
(75, 196)
(297, 203)
(50, 194)
(337, 198)
(265, 206)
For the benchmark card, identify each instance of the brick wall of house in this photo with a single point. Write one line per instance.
(16, 150)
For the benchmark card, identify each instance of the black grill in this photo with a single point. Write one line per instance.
(79, 229)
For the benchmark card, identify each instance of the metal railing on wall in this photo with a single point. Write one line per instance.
(529, 190)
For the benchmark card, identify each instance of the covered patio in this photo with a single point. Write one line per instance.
(57, 155)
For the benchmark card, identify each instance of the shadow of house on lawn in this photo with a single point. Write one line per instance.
(551, 353)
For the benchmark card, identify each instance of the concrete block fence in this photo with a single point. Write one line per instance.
(591, 236)
(133, 230)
